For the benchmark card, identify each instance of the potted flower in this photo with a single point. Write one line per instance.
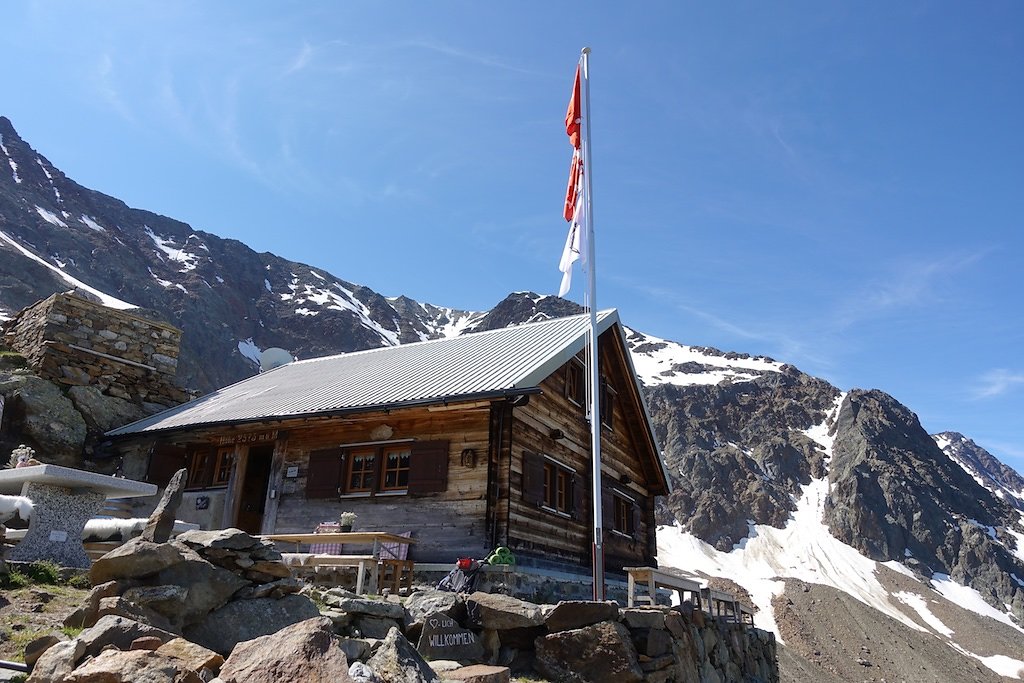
(346, 520)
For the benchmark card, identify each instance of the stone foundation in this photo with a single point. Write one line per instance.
(72, 341)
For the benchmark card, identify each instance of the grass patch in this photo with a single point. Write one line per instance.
(40, 573)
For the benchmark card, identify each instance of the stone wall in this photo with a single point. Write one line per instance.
(70, 340)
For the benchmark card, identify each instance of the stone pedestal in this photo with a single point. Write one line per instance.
(55, 529)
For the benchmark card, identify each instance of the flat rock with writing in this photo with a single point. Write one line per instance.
(443, 638)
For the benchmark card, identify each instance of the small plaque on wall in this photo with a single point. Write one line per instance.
(292, 472)
(202, 502)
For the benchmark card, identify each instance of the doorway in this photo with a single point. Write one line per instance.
(253, 497)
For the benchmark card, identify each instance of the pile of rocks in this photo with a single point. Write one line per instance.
(221, 606)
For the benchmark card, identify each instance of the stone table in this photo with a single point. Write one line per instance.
(63, 500)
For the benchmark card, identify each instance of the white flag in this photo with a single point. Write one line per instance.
(576, 241)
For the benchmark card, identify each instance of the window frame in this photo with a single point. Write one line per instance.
(329, 470)
(576, 382)
(606, 404)
(366, 474)
(224, 465)
(209, 467)
(553, 486)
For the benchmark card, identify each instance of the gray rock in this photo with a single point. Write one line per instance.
(194, 657)
(161, 522)
(429, 601)
(134, 666)
(118, 606)
(373, 608)
(134, 559)
(162, 599)
(360, 673)
(102, 412)
(57, 661)
(243, 620)
(208, 587)
(443, 638)
(502, 612)
(229, 539)
(572, 614)
(307, 651)
(635, 617)
(46, 418)
(119, 632)
(600, 653)
(373, 627)
(35, 649)
(396, 661)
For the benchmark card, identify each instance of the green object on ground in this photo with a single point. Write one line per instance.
(501, 555)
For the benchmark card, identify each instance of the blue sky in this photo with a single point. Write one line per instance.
(836, 185)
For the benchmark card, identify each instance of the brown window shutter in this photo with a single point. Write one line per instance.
(323, 476)
(579, 497)
(164, 461)
(428, 467)
(607, 509)
(533, 478)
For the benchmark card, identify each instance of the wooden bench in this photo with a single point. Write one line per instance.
(365, 565)
(655, 578)
(726, 606)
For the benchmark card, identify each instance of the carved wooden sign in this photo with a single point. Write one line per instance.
(253, 437)
(443, 638)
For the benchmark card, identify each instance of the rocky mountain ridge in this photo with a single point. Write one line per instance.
(745, 438)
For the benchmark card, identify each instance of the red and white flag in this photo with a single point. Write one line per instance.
(575, 195)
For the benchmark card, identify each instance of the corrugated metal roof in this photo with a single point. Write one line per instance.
(506, 361)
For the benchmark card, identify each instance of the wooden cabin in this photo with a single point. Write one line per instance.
(469, 443)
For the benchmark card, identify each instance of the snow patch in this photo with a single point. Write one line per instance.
(187, 260)
(970, 599)
(266, 283)
(10, 160)
(1001, 664)
(920, 605)
(90, 223)
(804, 549)
(247, 348)
(106, 299)
(50, 217)
(657, 361)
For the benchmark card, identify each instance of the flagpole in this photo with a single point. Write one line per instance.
(594, 375)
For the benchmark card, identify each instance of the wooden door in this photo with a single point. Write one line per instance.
(253, 492)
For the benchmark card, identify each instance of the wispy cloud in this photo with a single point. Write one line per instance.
(465, 55)
(301, 60)
(909, 284)
(998, 382)
(103, 78)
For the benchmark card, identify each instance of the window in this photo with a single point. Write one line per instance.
(209, 467)
(414, 468)
(552, 486)
(607, 404)
(225, 463)
(623, 517)
(200, 463)
(557, 488)
(622, 514)
(575, 382)
(361, 470)
(396, 469)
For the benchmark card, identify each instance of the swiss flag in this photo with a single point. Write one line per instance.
(572, 128)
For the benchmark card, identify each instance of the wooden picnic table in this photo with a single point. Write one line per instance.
(365, 564)
(63, 500)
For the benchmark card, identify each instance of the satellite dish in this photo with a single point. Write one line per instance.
(274, 358)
